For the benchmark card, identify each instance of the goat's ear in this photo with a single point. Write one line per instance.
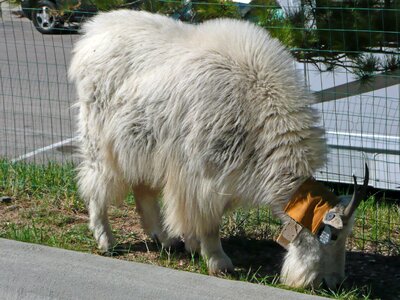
(333, 218)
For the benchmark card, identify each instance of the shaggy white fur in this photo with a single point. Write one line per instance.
(212, 115)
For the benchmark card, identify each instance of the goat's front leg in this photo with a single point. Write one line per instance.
(211, 250)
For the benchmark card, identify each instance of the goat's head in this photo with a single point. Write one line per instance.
(314, 258)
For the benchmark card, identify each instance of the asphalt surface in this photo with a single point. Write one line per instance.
(29, 271)
(35, 95)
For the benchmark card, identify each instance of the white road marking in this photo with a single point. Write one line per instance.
(44, 149)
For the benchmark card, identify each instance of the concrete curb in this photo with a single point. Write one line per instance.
(29, 271)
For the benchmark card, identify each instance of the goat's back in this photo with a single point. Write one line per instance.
(220, 99)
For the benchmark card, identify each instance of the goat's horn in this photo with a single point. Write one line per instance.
(358, 196)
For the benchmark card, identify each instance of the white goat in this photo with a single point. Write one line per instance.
(211, 115)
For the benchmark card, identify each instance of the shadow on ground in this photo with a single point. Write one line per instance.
(380, 273)
(367, 272)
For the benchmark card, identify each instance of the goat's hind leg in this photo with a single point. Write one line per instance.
(146, 199)
(99, 189)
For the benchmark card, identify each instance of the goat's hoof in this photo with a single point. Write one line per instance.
(111, 251)
(105, 242)
(219, 265)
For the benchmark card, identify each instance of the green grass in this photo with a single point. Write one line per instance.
(377, 227)
(46, 209)
(51, 182)
(76, 238)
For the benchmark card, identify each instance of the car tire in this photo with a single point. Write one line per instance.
(45, 17)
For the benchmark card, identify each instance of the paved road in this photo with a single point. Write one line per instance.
(35, 96)
(30, 271)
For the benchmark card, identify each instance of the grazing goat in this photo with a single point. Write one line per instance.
(213, 116)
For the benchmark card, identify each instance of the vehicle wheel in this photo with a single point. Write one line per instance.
(46, 17)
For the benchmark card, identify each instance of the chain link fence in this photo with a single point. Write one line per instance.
(35, 95)
(348, 53)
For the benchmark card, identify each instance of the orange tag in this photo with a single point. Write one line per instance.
(310, 203)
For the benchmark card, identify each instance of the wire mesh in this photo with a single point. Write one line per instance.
(35, 96)
(348, 52)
